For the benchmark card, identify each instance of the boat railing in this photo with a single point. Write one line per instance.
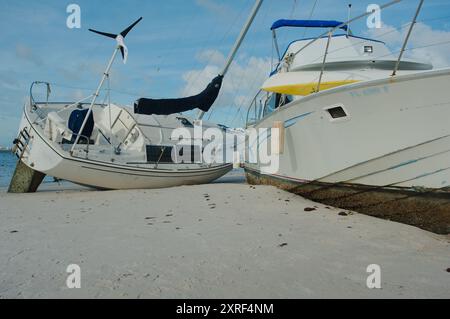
(85, 149)
(329, 35)
(256, 108)
(256, 111)
(345, 24)
(36, 107)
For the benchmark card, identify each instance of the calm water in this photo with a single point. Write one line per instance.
(7, 165)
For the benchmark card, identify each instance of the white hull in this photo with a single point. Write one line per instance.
(46, 156)
(396, 134)
(389, 157)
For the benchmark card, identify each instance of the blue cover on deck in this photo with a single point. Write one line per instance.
(76, 120)
(307, 24)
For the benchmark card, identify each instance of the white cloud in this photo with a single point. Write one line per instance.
(26, 53)
(240, 85)
(211, 56)
(423, 40)
(213, 6)
(8, 129)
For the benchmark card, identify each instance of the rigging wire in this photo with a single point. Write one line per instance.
(236, 94)
(191, 81)
(311, 14)
(175, 44)
(294, 9)
(236, 111)
(385, 34)
(121, 92)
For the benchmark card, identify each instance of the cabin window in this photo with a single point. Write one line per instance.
(272, 104)
(276, 101)
(368, 49)
(285, 99)
(337, 112)
(185, 122)
(159, 154)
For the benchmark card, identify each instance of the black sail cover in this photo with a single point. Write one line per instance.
(202, 101)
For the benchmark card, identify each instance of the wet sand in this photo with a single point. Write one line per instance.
(224, 240)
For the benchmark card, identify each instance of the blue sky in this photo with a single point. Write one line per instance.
(176, 49)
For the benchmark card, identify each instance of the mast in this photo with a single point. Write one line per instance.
(405, 43)
(349, 18)
(238, 43)
(119, 47)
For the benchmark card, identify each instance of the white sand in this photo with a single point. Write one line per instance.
(172, 244)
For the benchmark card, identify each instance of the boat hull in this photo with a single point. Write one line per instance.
(427, 210)
(388, 157)
(44, 156)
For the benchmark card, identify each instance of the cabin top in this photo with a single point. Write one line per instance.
(348, 50)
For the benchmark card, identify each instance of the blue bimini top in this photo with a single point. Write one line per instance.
(307, 24)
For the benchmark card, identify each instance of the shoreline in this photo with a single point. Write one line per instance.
(222, 240)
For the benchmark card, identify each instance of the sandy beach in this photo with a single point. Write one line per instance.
(225, 240)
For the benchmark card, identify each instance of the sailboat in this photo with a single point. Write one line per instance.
(108, 146)
(360, 127)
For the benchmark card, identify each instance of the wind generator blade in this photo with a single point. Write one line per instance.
(123, 48)
(124, 51)
(127, 30)
(109, 35)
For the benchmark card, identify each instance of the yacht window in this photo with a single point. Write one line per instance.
(185, 122)
(337, 112)
(285, 99)
(368, 49)
(159, 154)
(272, 104)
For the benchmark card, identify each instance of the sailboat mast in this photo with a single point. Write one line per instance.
(238, 43)
(119, 47)
(96, 94)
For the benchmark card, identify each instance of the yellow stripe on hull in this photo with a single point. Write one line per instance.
(306, 88)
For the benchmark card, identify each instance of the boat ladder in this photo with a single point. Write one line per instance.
(21, 143)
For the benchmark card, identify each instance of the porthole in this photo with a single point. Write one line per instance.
(368, 49)
(337, 112)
